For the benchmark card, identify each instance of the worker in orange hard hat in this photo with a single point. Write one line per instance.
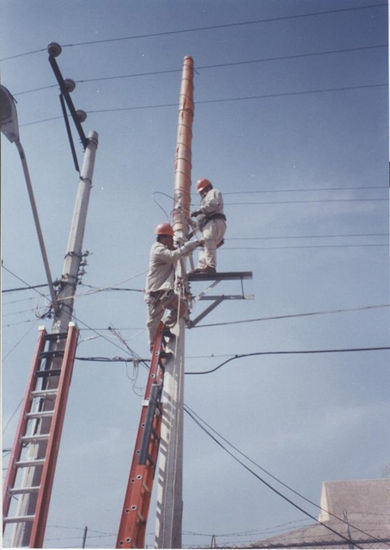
(160, 295)
(211, 221)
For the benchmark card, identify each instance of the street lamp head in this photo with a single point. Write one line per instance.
(8, 115)
(54, 49)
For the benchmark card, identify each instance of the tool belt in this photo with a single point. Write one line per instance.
(160, 293)
(204, 221)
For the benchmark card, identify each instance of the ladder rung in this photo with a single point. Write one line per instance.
(156, 435)
(18, 519)
(150, 459)
(46, 373)
(23, 490)
(54, 353)
(34, 438)
(55, 335)
(29, 463)
(141, 517)
(39, 414)
(43, 393)
(146, 488)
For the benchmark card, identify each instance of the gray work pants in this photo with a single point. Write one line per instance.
(157, 304)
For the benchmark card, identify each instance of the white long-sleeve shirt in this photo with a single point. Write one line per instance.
(162, 265)
(212, 202)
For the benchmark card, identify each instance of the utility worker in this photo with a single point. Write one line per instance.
(159, 290)
(211, 221)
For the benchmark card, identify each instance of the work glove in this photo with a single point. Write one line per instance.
(195, 213)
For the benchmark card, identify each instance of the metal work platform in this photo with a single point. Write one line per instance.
(217, 299)
(220, 276)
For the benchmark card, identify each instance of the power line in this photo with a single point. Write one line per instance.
(304, 246)
(320, 236)
(30, 287)
(300, 495)
(206, 28)
(304, 189)
(24, 282)
(303, 201)
(118, 359)
(284, 497)
(294, 352)
(293, 315)
(206, 67)
(220, 100)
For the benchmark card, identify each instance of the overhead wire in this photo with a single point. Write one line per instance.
(205, 28)
(276, 491)
(289, 352)
(218, 100)
(297, 493)
(293, 315)
(206, 67)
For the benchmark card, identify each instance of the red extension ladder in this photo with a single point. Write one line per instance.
(132, 526)
(34, 453)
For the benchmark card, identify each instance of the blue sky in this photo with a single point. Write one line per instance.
(293, 129)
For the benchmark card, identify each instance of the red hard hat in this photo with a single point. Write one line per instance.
(202, 184)
(164, 229)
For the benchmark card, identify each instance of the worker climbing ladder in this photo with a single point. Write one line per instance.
(33, 459)
(132, 526)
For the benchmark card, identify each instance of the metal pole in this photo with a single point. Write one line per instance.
(36, 220)
(63, 315)
(170, 476)
(85, 536)
(74, 248)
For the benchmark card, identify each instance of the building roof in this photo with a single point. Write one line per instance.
(353, 514)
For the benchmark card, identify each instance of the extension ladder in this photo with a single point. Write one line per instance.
(132, 526)
(31, 468)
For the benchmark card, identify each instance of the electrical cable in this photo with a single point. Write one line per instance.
(220, 100)
(32, 287)
(293, 315)
(214, 66)
(295, 352)
(303, 201)
(306, 189)
(276, 491)
(322, 509)
(323, 236)
(196, 29)
(305, 246)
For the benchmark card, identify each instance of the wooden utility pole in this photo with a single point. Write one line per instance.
(170, 475)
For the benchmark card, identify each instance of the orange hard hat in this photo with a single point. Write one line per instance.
(164, 229)
(202, 184)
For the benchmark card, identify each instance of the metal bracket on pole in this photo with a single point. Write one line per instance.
(217, 278)
(69, 132)
(54, 50)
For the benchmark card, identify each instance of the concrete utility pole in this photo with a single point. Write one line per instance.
(63, 315)
(170, 476)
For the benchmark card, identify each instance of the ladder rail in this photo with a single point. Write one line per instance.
(132, 525)
(47, 478)
(21, 428)
(43, 460)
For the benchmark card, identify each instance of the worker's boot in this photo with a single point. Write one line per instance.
(208, 270)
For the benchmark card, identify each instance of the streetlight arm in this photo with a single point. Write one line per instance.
(36, 221)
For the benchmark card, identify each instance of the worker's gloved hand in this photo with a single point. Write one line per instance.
(201, 242)
(195, 213)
